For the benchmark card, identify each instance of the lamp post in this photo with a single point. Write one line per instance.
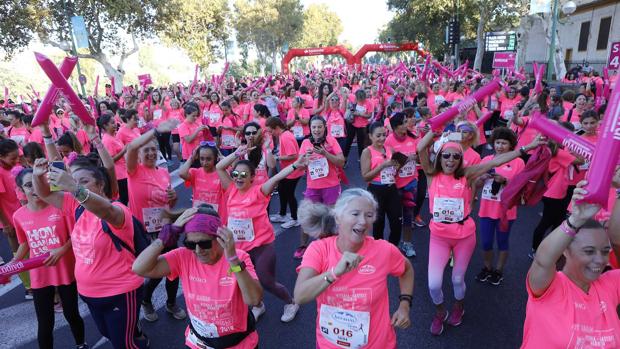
(568, 9)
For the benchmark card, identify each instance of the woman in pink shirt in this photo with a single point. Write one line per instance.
(160, 113)
(336, 125)
(469, 140)
(452, 228)
(228, 129)
(103, 273)
(297, 120)
(129, 130)
(490, 213)
(321, 104)
(575, 307)
(212, 113)
(191, 130)
(219, 281)
(249, 221)
(176, 112)
(346, 272)
(41, 229)
(77, 127)
(205, 182)
(260, 153)
(117, 150)
(17, 131)
(362, 110)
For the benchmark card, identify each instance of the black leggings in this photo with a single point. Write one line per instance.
(421, 195)
(44, 309)
(353, 132)
(286, 191)
(171, 287)
(164, 145)
(123, 191)
(390, 203)
(554, 213)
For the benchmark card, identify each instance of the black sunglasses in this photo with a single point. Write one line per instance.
(455, 156)
(204, 244)
(250, 133)
(240, 174)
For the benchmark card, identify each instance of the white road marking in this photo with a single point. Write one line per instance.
(15, 281)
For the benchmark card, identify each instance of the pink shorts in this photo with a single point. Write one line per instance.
(327, 196)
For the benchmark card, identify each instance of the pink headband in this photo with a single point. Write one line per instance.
(203, 223)
(451, 145)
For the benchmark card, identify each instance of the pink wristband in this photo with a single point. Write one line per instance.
(568, 230)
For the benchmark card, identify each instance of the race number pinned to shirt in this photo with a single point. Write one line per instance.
(408, 170)
(387, 175)
(157, 114)
(344, 328)
(214, 117)
(487, 193)
(242, 229)
(153, 221)
(318, 168)
(298, 131)
(337, 131)
(229, 141)
(360, 109)
(204, 329)
(450, 210)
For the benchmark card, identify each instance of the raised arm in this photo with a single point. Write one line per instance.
(223, 165)
(184, 169)
(271, 183)
(41, 186)
(134, 147)
(104, 155)
(50, 143)
(423, 156)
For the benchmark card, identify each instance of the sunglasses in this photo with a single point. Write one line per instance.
(250, 133)
(204, 244)
(455, 156)
(239, 174)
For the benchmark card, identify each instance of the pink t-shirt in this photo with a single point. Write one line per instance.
(206, 188)
(336, 124)
(558, 168)
(450, 201)
(386, 176)
(213, 114)
(247, 217)
(228, 137)
(365, 108)
(288, 146)
(114, 146)
(360, 295)
(147, 195)
(45, 230)
(127, 135)
(187, 129)
(210, 307)
(490, 205)
(20, 135)
(82, 137)
(567, 317)
(178, 115)
(100, 269)
(407, 146)
(317, 177)
(525, 135)
(471, 157)
(9, 203)
(299, 130)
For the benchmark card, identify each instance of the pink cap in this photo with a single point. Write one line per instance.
(203, 223)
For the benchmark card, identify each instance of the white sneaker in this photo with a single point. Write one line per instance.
(258, 311)
(290, 310)
(276, 218)
(290, 224)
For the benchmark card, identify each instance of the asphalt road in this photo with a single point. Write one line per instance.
(494, 314)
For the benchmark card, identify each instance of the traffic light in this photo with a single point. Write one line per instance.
(454, 32)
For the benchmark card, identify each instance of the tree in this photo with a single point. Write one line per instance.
(200, 29)
(321, 27)
(110, 24)
(268, 25)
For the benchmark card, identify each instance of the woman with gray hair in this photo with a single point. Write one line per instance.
(346, 271)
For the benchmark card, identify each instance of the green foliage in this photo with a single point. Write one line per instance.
(321, 27)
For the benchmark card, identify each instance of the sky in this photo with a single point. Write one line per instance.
(361, 19)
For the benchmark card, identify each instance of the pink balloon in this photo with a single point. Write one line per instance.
(440, 120)
(570, 141)
(7, 270)
(62, 84)
(47, 105)
(608, 148)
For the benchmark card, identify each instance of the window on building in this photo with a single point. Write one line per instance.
(603, 33)
(583, 36)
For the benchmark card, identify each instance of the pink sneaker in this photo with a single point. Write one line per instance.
(456, 315)
(437, 324)
(299, 252)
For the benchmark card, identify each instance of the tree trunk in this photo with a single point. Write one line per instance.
(111, 72)
(480, 37)
(523, 39)
(558, 57)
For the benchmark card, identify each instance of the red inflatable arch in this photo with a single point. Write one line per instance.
(317, 51)
(408, 46)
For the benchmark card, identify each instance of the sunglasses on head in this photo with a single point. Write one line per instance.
(204, 244)
(455, 156)
(251, 133)
(239, 174)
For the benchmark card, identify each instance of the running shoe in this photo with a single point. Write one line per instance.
(290, 310)
(58, 307)
(437, 324)
(28, 295)
(258, 311)
(456, 315)
(484, 275)
(407, 249)
(299, 252)
(149, 312)
(496, 277)
(419, 222)
(289, 224)
(176, 311)
(277, 218)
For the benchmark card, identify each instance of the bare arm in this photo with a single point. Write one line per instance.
(150, 263)
(271, 183)
(423, 156)
(614, 221)
(50, 145)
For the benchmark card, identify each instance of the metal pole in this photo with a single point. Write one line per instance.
(458, 39)
(74, 50)
(550, 62)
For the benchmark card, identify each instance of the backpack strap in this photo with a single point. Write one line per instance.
(118, 243)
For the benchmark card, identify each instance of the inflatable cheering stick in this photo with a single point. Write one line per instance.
(46, 106)
(7, 270)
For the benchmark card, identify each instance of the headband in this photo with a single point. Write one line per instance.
(203, 223)
(451, 145)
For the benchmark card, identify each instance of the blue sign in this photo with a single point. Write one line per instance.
(80, 35)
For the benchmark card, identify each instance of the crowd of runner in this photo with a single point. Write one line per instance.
(99, 199)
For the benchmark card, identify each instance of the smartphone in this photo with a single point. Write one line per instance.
(60, 165)
(400, 158)
(455, 137)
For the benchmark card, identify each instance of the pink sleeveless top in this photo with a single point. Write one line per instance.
(449, 203)
(388, 174)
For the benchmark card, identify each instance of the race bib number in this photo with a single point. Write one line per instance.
(337, 131)
(387, 175)
(408, 170)
(153, 221)
(486, 191)
(298, 131)
(157, 114)
(448, 210)
(204, 329)
(19, 139)
(318, 168)
(344, 328)
(214, 117)
(360, 109)
(242, 229)
(191, 337)
(229, 141)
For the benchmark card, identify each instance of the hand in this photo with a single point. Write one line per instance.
(202, 127)
(171, 194)
(400, 318)
(582, 211)
(61, 179)
(226, 240)
(55, 255)
(185, 217)
(348, 262)
(40, 167)
(388, 163)
(302, 161)
(168, 126)
(499, 178)
(320, 149)
(242, 150)
(538, 141)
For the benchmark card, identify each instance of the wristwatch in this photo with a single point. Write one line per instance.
(237, 268)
